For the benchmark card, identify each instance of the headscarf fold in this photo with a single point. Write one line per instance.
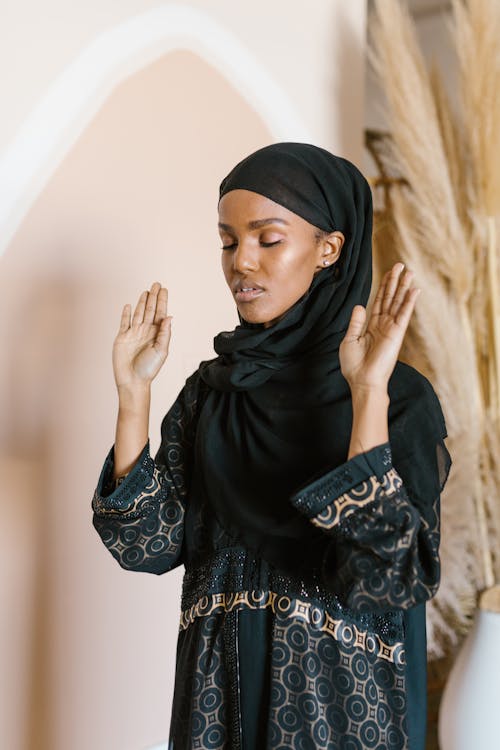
(278, 411)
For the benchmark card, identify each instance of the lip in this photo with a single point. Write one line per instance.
(247, 296)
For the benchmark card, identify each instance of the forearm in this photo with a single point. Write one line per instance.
(132, 427)
(370, 420)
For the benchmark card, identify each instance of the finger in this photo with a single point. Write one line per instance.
(161, 305)
(391, 285)
(377, 303)
(358, 317)
(139, 310)
(150, 309)
(406, 310)
(163, 336)
(403, 285)
(125, 318)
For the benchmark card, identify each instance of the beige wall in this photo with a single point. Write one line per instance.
(124, 194)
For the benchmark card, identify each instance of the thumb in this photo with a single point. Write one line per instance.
(358, 317)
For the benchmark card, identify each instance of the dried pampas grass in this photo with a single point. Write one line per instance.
(444, 216)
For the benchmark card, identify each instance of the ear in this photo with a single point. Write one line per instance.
(329, 248)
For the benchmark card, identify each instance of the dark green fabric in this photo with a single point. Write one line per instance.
(254, 642)
(416, 675)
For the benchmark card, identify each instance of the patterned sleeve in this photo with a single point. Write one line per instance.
(385, 543)
(141, 521)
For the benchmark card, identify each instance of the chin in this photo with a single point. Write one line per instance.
(255, 319)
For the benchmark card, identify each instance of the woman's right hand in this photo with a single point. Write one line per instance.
(141, 345)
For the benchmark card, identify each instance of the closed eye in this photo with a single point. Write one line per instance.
(264, 244)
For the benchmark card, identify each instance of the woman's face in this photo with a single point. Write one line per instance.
(271, 248)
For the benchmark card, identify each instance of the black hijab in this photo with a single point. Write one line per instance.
(278, 411)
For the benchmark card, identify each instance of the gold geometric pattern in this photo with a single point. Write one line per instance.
(318, 617)
(356, 498)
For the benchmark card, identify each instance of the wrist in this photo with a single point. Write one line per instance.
(370, 409)
(373, 393)
(134, 397)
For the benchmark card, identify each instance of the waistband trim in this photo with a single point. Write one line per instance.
(318, 618)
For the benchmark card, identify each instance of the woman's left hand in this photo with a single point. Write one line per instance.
(367, 360)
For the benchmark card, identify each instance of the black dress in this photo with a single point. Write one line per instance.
(266, 659)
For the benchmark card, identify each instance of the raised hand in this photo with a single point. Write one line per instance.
(141, 345)
(367, 360)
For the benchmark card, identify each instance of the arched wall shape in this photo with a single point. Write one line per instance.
(76, 95)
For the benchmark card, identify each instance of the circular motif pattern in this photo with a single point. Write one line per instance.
(289, 718)
(308, 707)
(356, 707)
(213, 738)
(281, 654)
(151, 525)
(311, 664)
(394, 738)
(371, 692)
(156, 545)
(210, 699)
(109, 535)
(284, 603)
(294, 679)
(173, 456)
(382, 675)
(397, 701)
(171, 513)
(133, 555)
(347, 634)
(129, 535)
(298, 639)
(324, 689)
(352, 743)
(337, 717)
(370, 734)
(359, 666)
(199, 722)
(278, 693)
(321, 733)
(327, 650)
(317, 616)
(303, 741)
(350, 703)
(344, 681)
(371, 643)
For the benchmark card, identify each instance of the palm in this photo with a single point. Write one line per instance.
(141, 345)
(368, 359)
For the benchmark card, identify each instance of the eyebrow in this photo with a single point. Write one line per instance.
(256, 223)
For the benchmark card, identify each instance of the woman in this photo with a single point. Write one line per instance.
(298, 477)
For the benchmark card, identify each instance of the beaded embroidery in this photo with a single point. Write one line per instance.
(312, 498)
(346, 633)
(368, 492)
(236, 568)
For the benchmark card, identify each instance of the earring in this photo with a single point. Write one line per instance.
(325, 262)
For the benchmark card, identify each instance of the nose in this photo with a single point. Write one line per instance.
(245, 258)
